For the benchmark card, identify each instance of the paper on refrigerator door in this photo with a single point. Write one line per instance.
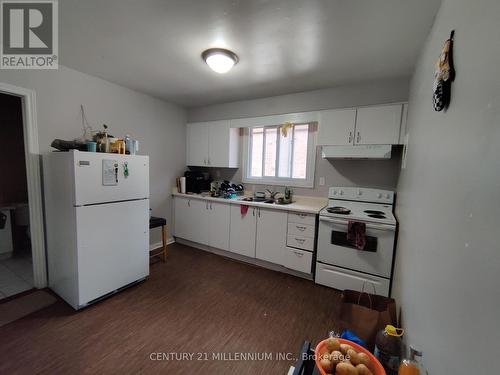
(109, 172)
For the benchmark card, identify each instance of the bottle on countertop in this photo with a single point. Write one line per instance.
(412, 365)
(388, 346)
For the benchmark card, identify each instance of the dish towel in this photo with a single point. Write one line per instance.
(356, 234)
(243, 209)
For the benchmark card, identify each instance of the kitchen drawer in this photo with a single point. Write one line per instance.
(299, 217)
(300, 242)
(298, 260)
(302, 230)
(341, 278)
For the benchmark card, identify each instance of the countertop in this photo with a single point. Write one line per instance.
(310, 205)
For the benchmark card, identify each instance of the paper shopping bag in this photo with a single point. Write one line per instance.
(365, 314)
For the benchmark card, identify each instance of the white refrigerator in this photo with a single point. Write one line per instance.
(97, 223)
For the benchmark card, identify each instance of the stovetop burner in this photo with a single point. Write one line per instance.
(374, 212)
(338, 210)
(377, 216)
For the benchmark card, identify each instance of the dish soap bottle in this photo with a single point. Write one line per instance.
(412, 366)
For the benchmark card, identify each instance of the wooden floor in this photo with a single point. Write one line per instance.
(197, 302)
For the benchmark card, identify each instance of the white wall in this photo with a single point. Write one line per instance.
(376, 92)
(382, 174)
(448, 257)
(158, 125)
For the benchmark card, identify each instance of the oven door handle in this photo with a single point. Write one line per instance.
(368, 225)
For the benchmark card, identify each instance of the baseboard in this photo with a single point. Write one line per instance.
(157, 245)
(6, 255)
(244, 259)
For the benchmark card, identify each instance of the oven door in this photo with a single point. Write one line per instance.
(334, 249)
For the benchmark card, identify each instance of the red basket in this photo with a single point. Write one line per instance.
(376, 368)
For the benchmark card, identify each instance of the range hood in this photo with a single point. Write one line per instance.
(357, 152)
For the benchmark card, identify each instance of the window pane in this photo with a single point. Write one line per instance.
(257, 136)
(285, 158)
(270, 152)
(300, 139)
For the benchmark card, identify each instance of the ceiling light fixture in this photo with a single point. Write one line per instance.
(219, 60)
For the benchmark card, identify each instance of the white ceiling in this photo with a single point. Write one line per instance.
(284, 46)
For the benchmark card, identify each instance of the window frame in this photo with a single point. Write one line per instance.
(308, 182)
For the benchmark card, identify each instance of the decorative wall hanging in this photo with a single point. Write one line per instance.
(444, 76)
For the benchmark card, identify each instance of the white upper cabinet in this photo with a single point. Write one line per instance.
(336, 127)
(378, 125)
(197, 144)
(271, 235)
(212, 144)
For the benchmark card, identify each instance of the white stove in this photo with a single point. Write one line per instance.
(357, 204)
(345, 264)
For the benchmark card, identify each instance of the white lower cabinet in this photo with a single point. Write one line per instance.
(259, 233)
(218, 225)
(190, 217)
(298, 260)
(243, 231)
(271, 235)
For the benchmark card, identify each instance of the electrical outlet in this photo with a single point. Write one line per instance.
(321, 181)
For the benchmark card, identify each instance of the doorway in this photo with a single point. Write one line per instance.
(16, 261)
(22, 241)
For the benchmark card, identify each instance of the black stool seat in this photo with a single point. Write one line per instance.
(155, 222)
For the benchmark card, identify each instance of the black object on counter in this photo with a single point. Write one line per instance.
(197, 181)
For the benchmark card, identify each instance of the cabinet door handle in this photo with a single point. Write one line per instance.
(258, 210)
(253, 211)
(205, 161)
(300, 228)
(300, 240)
(358, 137)
(208, 162)
(350, 137)
(300, 255)
(210, 205)
(189, 203)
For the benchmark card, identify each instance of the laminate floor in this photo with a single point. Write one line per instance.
(197, 302)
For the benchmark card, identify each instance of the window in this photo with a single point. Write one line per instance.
(275, 159)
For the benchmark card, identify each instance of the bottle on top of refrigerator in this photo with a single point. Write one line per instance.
(128, 144)
(412, 365)
(388, 345)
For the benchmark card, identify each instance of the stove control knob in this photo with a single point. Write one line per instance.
(379, 195)
(360, 192)
(341, 192)
(388, 196)
(335, 192)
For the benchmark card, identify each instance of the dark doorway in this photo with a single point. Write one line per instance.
(16, 267)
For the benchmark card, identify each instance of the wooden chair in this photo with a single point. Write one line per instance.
(155, 222)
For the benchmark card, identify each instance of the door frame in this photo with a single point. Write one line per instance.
(33, 176)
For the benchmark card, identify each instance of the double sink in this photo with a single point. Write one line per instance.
(259, 200)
